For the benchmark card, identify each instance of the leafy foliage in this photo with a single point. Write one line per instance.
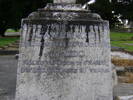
(124, 8)
(12, 11)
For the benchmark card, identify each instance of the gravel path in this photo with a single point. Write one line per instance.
(8, 69)
(123, 90)
(121, 55)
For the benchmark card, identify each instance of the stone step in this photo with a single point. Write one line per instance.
(124, 98)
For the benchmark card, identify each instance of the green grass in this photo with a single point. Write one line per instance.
(115, 36)
(7, 40)
(123, 45)
(122, 40)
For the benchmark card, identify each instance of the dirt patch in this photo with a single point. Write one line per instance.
(122, 62)
(132, 38)
(125, 75)
(127, 78)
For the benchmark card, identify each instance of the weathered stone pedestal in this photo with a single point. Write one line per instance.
(64, 55)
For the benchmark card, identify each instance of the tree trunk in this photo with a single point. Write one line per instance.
(2, 32)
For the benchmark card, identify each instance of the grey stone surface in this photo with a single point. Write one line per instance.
(64, 56)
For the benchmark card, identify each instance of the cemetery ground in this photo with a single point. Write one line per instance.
(7, 40)
(124, 42)
(120, 42)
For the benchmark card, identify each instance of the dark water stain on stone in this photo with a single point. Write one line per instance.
(94, 33)
(79, 28)
(67, 29)
(49, 30)
(43, 32)
(99, 34)
(66, 42)
(73, 28)
(30, 34)
(87, 33)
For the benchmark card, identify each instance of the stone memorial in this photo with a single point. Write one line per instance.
(64, 1)
(64, 55)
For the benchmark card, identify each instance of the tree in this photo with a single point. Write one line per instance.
(104, 8)
(12, 11)
(124, 8)
(111, 9)
(5, 15)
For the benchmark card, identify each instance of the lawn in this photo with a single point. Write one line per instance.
(116, 36)
(7, 40)
(122, 40)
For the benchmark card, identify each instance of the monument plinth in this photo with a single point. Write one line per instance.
(64, 55)
(64, 1)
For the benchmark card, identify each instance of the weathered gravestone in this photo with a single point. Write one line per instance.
(64, 55)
